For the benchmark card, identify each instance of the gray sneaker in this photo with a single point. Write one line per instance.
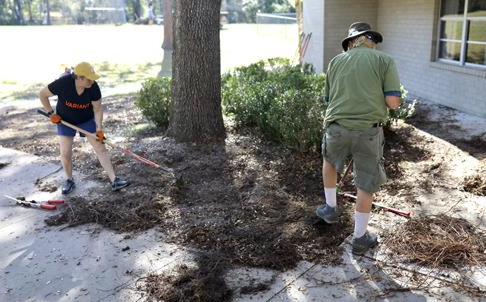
(118, 184)
(68, 186)
(328, 214)
(362, 244)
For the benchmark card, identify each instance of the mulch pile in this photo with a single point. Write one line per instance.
(439, 242)
(476, 184)
(202, 282)
(116, 215)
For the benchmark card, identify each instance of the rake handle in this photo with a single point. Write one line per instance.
(346, 172)
(377, 205)
(124, 150)
(73, 127)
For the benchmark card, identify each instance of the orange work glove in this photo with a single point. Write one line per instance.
(100, 136)
(55, 118)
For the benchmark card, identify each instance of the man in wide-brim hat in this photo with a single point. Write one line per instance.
(359, 29)
(362, 83)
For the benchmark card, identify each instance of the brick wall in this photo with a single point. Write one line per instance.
(338, 15)
(410, 33)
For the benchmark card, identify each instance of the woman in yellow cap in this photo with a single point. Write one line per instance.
(79, 103)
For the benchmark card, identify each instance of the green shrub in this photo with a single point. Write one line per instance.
(154, 100)
(405, 111)
(282, 98)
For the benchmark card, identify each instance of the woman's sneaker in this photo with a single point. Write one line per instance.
(362, 244)
(68, 186)
(118, 184)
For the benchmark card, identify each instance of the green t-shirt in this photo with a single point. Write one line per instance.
(356, 85)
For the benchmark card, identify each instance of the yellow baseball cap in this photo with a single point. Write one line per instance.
(85, 69)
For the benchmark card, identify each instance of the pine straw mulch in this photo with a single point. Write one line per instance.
(439, 242)
(201, 282)
(121, 216)
(437, 248)
(476, 184)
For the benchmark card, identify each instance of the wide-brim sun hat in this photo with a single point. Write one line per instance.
(357, 29)
(84, 69)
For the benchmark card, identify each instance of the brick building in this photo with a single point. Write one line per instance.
(439, 45)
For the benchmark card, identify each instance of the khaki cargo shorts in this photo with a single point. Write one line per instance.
(366, 148)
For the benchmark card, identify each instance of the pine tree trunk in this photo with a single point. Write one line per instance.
(196, 81)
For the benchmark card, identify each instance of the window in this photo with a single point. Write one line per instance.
(462, 32)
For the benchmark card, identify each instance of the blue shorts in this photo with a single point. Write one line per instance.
(89, 126)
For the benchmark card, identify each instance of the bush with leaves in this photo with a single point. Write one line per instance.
(282, 98)
(154, 100)
(405, 111)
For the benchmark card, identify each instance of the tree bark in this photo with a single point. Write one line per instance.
(300, 25)
(48, 12)
(168, 32)
(196, 83)
(137, 10)
(19, 13)
(29, 9)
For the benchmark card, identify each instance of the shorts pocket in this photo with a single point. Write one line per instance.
(370, 176)
(369, 144)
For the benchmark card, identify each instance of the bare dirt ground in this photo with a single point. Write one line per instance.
(248, 202)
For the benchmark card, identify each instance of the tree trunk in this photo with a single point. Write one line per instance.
(48, 11)
(29, 9)
(196, 83)
(19, 14)
(300, 25)
(168, 33)
(137, 10)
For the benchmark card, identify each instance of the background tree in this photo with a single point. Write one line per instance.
(18, 11)
(196, 81)
(48, 13)
(4, 16)
(251, 7)
(299, 11)
(168, 36)
(28, 3)
(137, 9)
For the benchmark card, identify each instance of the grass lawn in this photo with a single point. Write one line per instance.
(122, 54)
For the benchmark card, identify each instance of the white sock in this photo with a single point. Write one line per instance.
(330, 194)
(360, 223)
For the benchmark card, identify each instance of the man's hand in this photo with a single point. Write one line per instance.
(100, 136)
(55, 118)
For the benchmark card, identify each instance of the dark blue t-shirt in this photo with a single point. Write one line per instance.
(74, 108)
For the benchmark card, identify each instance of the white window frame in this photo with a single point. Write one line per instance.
(463, 41)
